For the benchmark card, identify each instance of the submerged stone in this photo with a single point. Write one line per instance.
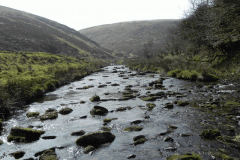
(95, 139)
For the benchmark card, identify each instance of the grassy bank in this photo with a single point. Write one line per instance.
(224, 68)
(26, 76)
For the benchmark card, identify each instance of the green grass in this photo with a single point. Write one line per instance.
(25, 76)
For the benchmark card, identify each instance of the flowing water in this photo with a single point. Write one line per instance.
(186, 119)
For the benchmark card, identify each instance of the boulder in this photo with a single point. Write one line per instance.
(95, 139)
(20, 134)
(98, 110)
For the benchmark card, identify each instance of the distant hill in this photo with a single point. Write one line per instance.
(131, 37)
(21, 31)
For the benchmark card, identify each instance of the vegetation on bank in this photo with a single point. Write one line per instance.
(25, 76)
(206, 41)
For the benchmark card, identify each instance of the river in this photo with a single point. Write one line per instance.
(188, 121)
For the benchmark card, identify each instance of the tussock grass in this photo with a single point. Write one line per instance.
(25, 76)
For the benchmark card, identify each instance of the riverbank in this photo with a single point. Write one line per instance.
(27, 76)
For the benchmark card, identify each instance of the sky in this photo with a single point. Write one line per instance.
(80, 14)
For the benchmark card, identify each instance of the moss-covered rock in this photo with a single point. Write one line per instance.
(32, 114)
(210, 134)
(148, 98)
(1, 142)
(169, 105)
(65, 111)
(133, 128)
(98, 110)
(49, 115)
(18, 154)
(223, 156)
(106, 128)
(19, 134)
(107, 120)
(95, 98)
(187, 156)
(82, 102)
(182, 103)
(95, 139)
(150, 106)
(49, 154)
(139, 139)
(88, 149)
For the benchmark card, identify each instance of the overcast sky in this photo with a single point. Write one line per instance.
(80, 14)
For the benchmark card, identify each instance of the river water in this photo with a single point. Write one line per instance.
(186, 119)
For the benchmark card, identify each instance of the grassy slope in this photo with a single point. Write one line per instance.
(129, 37)
(21, 31)
(28, 75)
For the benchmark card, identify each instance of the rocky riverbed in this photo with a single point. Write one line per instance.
(122, 114)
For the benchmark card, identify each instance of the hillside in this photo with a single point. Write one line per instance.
(21, 31)
(131, 37)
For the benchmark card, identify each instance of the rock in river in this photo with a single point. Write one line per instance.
(20, 134)
(95, 139)
(98, 110)
(65, 111)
